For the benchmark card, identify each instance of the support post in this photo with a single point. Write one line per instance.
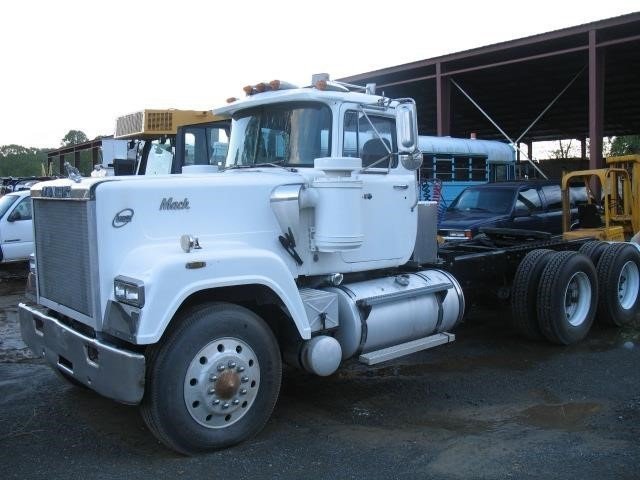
(443, 102)
(94, 156)
(529, 144)
(596, 102)
(61, 171)
(583, 148)
(76, 159)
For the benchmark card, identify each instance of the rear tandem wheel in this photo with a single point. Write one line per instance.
(524, 313)
(619, 279)
(567, 297)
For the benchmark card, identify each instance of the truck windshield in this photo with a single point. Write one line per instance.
(6, 202)
(289, 134)
(490, 200)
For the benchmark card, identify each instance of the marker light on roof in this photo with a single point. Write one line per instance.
(231, 99)
(248, 90)
(274, 84)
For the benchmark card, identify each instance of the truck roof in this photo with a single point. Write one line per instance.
(306, 94)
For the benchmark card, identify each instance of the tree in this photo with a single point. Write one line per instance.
(73, 137)
(564, 150)
(13, 149)
(19, 161)
(625, 145)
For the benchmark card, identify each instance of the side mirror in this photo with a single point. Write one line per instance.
(407, 128)
(407, 134)
(13, 216)
(411, 161)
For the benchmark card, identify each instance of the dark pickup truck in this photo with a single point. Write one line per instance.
(526, 204)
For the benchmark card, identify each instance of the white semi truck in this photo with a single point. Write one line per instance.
(184, 293)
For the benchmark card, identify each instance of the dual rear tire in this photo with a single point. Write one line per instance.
(557, 295)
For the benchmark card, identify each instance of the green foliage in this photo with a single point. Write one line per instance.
(74, 137)
(625, 145)
(19, 161)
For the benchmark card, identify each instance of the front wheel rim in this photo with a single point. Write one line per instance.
(628, 284)
(221, 382)
(577, 299)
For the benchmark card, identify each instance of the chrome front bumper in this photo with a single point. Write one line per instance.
(110, 371)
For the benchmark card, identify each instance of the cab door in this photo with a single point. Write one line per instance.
(529, 213)
(553, 208)
(16, 231)
(389, 191)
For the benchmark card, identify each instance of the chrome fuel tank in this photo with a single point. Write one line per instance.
(387, 311)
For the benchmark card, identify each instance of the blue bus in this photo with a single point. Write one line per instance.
(452, 164)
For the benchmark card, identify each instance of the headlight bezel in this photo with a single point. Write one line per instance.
(129, 291)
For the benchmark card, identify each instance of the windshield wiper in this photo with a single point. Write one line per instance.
(276, 164)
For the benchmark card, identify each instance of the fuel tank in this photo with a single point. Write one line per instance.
(382, 312)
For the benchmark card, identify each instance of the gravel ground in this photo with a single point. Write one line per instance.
(487, 406)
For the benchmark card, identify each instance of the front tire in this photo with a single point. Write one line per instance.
(213, 381)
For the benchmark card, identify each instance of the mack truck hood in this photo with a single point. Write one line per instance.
(135, 214)
(132, 227)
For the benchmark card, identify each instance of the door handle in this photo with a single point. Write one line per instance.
(403, 186)
(12, 240)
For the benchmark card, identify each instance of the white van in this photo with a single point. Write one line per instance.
(16, 227)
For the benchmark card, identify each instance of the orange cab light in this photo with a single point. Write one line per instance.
(248, 89)
(321, 85)
(261, 87)
(231, 99)
(274, 84)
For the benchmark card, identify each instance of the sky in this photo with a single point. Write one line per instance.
(70, 64)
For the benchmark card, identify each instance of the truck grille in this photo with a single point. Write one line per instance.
(63, 253)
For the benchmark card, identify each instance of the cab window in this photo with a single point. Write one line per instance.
(22, 210)
(360, 139)
(205, 145)
(528, 200)
(553, 196)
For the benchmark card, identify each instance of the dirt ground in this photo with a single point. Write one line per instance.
(489, 405)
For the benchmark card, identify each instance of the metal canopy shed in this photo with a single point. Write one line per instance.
(592, 72)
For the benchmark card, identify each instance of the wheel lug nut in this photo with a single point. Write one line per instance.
(213, 378)
(211, 391)
(240, 369)
(244, 379)
(215, 402)
(221, 368)
(225, 406)
(236, 401)
(232, 364)
(243, 391)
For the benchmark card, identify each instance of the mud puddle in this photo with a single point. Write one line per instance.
(564, 416)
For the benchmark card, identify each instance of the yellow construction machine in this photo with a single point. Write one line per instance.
(609, 210)
(166, 140)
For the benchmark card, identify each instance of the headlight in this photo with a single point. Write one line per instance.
(129, 290)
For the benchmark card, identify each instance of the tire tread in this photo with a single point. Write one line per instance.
(523, 293)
